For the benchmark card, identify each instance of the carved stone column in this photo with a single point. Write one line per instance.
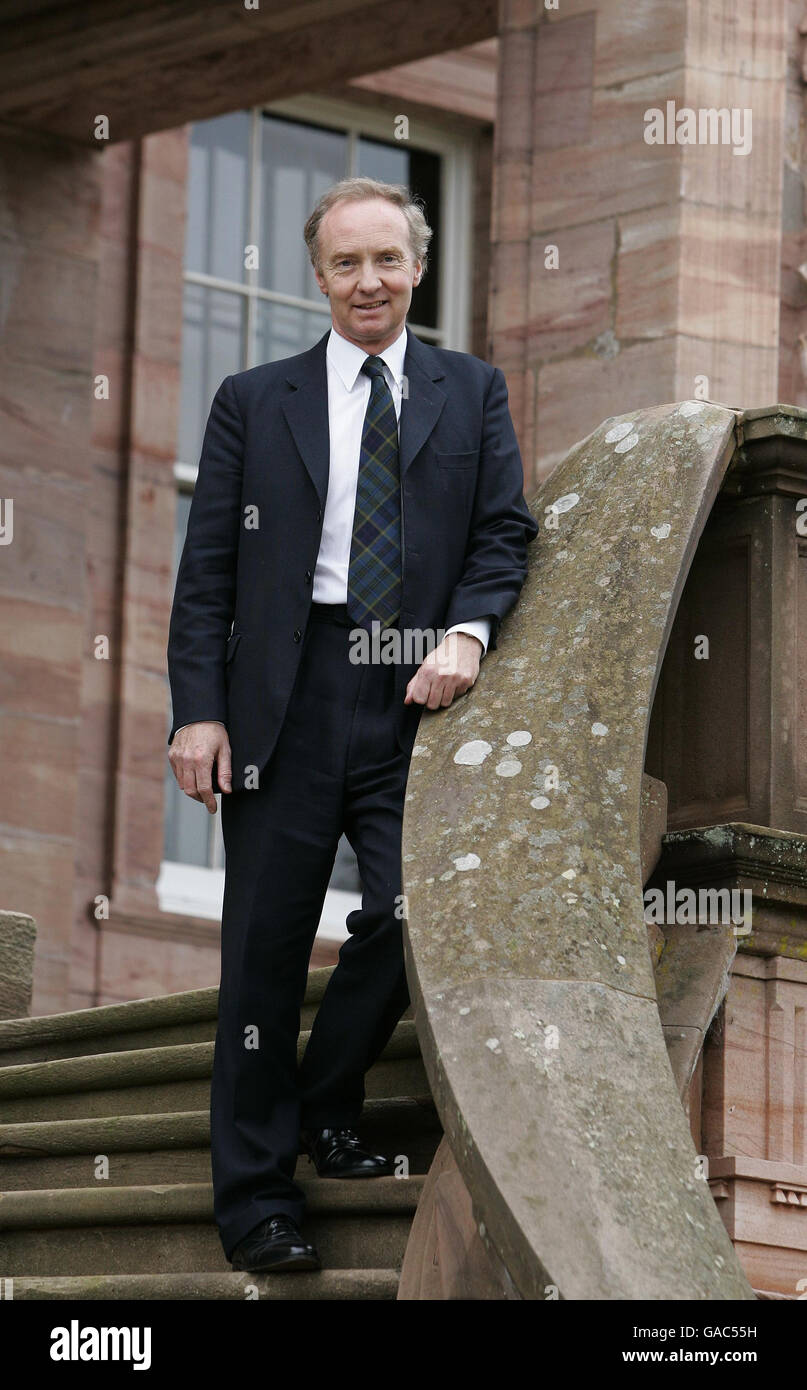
(728, 733)
(754, 1101)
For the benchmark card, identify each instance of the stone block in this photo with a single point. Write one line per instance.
(17, 937)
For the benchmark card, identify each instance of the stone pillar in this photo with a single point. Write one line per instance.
(728, 733)
(49, 207)
(667, 280)
(793, 312)
(754, 1098)
(154, 367)
(511, 215)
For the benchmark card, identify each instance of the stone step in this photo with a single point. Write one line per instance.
(113, 1027)
(403, 1077)
(175, 1147)
(360, 1224)
(132, 1082)
(187, 1017)
(366, 1285)
(183, 1202)
(171, 1078)
(344, 1240)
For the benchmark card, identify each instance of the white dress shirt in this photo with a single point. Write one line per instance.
(348, 394)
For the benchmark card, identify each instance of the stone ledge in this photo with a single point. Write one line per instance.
(764, 1206)
(771, 863)
(779, 856)
(758, 1169)
(770, 454)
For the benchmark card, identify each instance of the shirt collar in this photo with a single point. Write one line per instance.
(347, 358)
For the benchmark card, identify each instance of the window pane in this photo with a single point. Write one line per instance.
(282, 331)
(186, 826)
(420, 171)
(378, 160)
(345, 873)
(212, 348)
(216, 840)
(298, 163)
(218, 196)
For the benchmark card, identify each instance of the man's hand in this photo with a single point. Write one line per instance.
(449, 670)
(192, 754)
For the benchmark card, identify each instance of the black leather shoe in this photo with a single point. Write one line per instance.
(339, 1153)
(274, 1246)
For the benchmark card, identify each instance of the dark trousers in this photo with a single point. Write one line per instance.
(336, 767)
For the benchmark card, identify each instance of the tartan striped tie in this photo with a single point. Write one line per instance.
(374, 572)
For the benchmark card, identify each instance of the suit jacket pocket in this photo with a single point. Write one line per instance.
(466, 460)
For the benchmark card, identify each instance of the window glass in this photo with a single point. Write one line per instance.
(419, 170)
(281, 331)
(299, 162)
(212, 348)
(218, 196)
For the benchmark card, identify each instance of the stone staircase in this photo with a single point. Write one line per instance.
(129, 1084)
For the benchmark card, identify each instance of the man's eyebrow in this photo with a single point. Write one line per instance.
(384, 251)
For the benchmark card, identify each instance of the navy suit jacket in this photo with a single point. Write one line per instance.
(265, 460)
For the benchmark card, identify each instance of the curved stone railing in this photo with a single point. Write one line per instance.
(527, 950)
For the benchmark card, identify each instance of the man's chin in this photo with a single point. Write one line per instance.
(374, 323)
(366, 330)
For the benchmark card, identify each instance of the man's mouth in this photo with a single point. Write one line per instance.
(376, 304)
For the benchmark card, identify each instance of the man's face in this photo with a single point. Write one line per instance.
(367, 270)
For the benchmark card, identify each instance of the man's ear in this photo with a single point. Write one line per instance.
(418, 275)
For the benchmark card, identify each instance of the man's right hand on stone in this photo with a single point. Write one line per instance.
(194, 750)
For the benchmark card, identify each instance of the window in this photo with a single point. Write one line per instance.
(253, 178)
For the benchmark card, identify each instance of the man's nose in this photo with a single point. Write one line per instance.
(369, 278)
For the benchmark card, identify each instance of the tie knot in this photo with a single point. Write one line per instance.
(373, 367)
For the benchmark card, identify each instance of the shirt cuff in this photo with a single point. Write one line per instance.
(479, 627)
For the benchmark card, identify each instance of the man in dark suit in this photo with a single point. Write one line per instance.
(371, 485)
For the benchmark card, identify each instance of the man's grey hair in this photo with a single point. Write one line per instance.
(358, 189)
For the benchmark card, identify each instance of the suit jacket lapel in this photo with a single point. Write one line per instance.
(306, 410)
(423, 401)
(306, 407)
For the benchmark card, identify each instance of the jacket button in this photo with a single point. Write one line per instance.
(319, 516)
(297, 634)
(308, 576)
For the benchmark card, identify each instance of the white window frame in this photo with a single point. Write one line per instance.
(188, 888)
